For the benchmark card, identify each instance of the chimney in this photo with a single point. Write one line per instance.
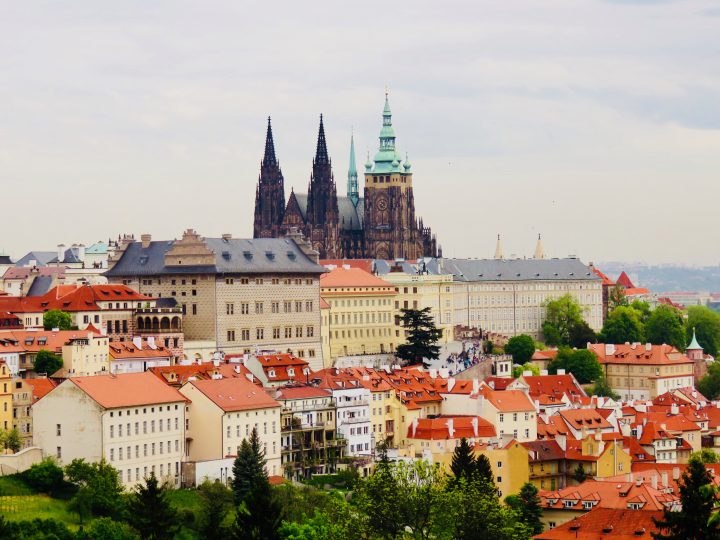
(609, 349)
(561, 372)
(226, 236)
(638, 482)
(676, 473)
(527, 373)
(145, 239)
(451, 384)
(60, 252)
(296, 236)
(414, 426)
(137, 341)
(81, 252)
(665, 479)
(654, 481)
(648, 346)
(451, 428)
(639, 431)
(543, 372)
(474, 424)
(476, 386)
(674, 409)
(151, 342)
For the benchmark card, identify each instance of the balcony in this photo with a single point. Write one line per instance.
(355, 420)
(156, 310)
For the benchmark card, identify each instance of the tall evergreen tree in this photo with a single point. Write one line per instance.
(150, 513)
(422, 338)
(249, 467)
(531, 507)
(215, 502)
(463, 463)
(484, 470)
(259, 515)
(698, 501)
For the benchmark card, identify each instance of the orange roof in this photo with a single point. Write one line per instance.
(496, 383)
(605, 279)
(610, 523)
(122, 350)
(324, 304)
(235, 394)
(354, 278)
(36, 340)
(624, 280)
(277, 367)
(635, 291)
(553, 385)
(638, 353)
(41, 386)
(584, 418)
(548, 354)
(180, 374)
(438, 428)
(300, 392)
(608, 494)
(507, 400)
(363, 264)
(544, 451)
(126, 390)
(72, 298)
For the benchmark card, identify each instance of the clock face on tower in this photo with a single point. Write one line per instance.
(382, 204)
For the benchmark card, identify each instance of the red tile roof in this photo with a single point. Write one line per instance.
(363, 264)
(507, 400)
(300, 392)
(41, 386)
(438, 428)
(601, 523)
(235, 394)
(541, 451)
(624, 280)
(126, 350)
(605, 279)
(609, 494)
(36, 340)
(553, 385)
(638, 353)
(126, 390)
(354, 278)
(584, 418)
(72, 298)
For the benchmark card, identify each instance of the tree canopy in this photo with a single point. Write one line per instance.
(521, 348)
(150, 512)
(665, 325)
(422, 337)
(56, 318)
(623, 324)
(47, 362)
(561, 315)
(709, 385)
(706, 323)
(582, 363)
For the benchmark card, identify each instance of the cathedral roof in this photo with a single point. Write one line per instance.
(350, 216)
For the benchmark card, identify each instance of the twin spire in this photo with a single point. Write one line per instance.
(539, 249)
(269, 157)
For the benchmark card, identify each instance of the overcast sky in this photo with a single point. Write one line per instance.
(593, 122)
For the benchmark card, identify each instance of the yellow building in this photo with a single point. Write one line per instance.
(509, 465)
(6, 404)
(597, 457)
(86, 354)
(361, 319)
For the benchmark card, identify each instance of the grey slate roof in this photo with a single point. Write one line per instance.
(40, 285)
(234, 256)
(42, 258)
(5, 259)
(499, 269)
(351, 217)
(71, 256)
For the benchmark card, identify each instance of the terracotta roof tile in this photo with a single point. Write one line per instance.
(236, 394)
(127, 390)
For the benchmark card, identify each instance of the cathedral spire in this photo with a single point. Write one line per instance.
(498, 249)
(321, 154)
(352, 187)
(539, 250)
(269, 157)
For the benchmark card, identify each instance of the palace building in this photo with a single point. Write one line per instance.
(381, 224)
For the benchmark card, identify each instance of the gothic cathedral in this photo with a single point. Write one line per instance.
(380, 225)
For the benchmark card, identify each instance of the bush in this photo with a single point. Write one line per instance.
(46, 477)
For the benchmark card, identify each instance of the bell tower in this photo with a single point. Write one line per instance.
(270, 193)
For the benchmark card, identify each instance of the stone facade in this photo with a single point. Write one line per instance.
(243, 295)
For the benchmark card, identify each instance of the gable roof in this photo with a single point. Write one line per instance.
(638, 353)
(350, 216)
(508, 400)
(610, 523)
(127, 390)
(353, 277)
(235, 394)
(438, 428)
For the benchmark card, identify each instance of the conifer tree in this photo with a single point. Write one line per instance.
(422, 338)
(484, 470)
(249, 467)
(259, 515)
(150, 513)
(530, 507)
(463, 463)
(698, 501)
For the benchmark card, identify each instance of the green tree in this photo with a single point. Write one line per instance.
(561, 314)
(690, 523)
(422, 337)
(249, 467)
(105, 528)
(602, 388)
(706, 323)
(46, 476)
(706, 455)
(215, 503)
(47, 362)
(485, 472)
(666, 325)
(259, 515)
(529, 507)
(150, 513)
(643, 309)
(519, 370)
(582, 363)
(623, 324)
(379, 497)
(463, 463)
(98, 486)
(617, 297)
(36, 529)
(10, 440)
(579, 474)
(56, 318)
(521, 348)
(581, 334)
(709, 385)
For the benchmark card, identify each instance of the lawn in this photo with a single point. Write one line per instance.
(27, 507)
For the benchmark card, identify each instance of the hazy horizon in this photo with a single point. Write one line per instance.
(595, 123)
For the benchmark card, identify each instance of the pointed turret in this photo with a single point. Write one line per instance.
(321, 154)
(352, 187)
(269, 158)
(694, 345)
(539, 251)
(498, 249)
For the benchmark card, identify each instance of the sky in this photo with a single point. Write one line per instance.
(595, 123)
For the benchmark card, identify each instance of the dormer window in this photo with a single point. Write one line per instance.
(291, 372)
(568, 504)
(271, 373)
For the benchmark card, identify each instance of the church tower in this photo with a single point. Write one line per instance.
(391, 229)
(323, 230)
(352, 187)
(270, 193)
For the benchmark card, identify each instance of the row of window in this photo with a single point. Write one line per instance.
(359, 302)
(127, 475)
(362, 318)
(168, 427)
(147, 450)
(287, 305)
(238, 430)
(528, 416)
(308, 331)
(273, 281)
